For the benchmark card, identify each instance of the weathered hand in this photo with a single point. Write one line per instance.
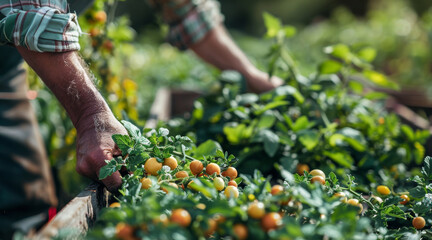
(259, 82)
(95, 145)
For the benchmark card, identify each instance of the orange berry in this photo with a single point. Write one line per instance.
(212, 225)
(301, 168)
(240, 231)
(418, 223)
(181, 217)
(124, 231)
(231, 173)
(276, 189)
(114, 205)
(405, 198)
(232, 183)
(271, 221)
(256, 210)
(318, 179)
(231, 192)
(100, 16)
(317, 172)
(196, 167)
(146, 183)
(355, 202)
(152, 166)
(181, 174)
(213, 168)
(383, 190)
(219, 183)
(170, 162)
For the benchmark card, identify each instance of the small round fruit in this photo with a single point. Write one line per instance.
(418, 223)
(256, 210)
(318, 179)
(162, 219)
(114, 205)
(196, 167)
(170, 162)
(181, 217)
(405, 198)
(231, 192)
(376, 199)
(146, 183)
(355, 202)
(240, 231)
(231, 173)
(152, 166)
(212, 225)
(271, 221)
(301, 168)
(383, 190)
(100, 16)
(181, 174)
(124, 231)
(317, 172)
(219, 183)
(342, 196)
(232, 183)
(213, 168)
(276, 189)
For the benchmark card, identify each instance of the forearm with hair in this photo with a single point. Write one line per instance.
(68, 78)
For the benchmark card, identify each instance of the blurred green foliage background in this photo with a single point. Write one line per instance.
(128, 56)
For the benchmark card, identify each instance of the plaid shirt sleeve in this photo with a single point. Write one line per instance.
(39, 25)
(189, 20)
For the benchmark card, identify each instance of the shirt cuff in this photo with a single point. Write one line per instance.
(195, 25)
(42, 29)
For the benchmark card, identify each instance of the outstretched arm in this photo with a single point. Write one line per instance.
(65, 74)
(218, 49)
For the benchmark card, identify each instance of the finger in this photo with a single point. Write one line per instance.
(113, 182)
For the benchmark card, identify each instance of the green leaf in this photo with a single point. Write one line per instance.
(272, 24)
(207, 148)
(354, 138)
(340, 51)
(266, 121)
(301, 123)
(289, 31)
(330, 67)
(111, 167)
(427, 168)
(270, 140)
(133, 131)
(235, 134)
(368, 54)
(289, 91)
(270, 106)
(356, 87)
(376, 96)
(394, 211)
(417, 192)
(342, 158)
(309, 138)
(379, 79)
(333, 179)
(124, 142)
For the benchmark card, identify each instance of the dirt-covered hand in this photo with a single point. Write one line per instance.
(95, 145)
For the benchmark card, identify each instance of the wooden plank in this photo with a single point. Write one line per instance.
(78, 215)
(407, 114)
(160, 109)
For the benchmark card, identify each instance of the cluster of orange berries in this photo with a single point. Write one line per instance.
(152, 166)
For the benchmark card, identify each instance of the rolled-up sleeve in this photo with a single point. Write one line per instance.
(39, 27)
(189, 20)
